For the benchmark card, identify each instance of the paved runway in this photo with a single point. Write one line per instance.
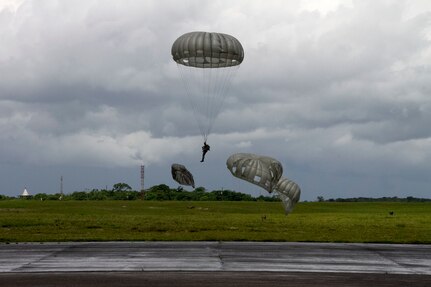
(230, 260)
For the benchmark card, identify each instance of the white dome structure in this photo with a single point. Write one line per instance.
(25, 193)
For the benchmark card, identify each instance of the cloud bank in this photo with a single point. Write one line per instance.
(338, 91)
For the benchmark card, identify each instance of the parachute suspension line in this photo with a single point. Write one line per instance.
(214, 97)
(187, 82)
(210, 98)
(224, 80)
(205, 108)
(206, 91)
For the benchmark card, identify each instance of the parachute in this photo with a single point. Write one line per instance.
(289, 193)
(260, 170)
(265, 172)
(207, 62)
(181, 175)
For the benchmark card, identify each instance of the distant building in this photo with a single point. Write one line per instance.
(25, 193)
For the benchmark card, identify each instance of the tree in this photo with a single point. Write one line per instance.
(121, 186)
(79, 195)
(160, 187)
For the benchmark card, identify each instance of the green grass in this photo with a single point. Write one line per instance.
(41, 221)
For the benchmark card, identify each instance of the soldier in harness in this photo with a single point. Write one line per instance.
(205, 149)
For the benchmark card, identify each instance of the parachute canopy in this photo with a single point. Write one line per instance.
(207, 63)
(263, 171)
(289, 193)
(181, 175)
(207, 50)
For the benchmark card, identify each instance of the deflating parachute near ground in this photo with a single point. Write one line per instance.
(181, 175)
(207, 62)
(260, 170)
(265, 172)
(289, 193)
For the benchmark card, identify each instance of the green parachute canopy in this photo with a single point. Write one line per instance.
(181, 175)
(207, 50)
(265, 172)
(289, 193)
(260, 170)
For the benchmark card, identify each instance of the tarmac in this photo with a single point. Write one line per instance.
(214, 264)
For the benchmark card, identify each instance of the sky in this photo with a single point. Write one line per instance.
(338, 91)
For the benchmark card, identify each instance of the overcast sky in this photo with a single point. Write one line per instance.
(338, 91)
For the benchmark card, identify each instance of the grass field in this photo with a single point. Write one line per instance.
(41, 221)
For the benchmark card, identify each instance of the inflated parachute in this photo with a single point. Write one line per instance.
(207, 62)
(289, 193)
(181, 175)
(263, 171)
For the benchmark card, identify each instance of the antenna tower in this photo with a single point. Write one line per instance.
(61, 187)
(142, 177)
(142, 181)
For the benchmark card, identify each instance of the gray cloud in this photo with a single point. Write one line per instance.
(338, 92)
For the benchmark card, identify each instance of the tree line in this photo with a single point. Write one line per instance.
(122, 191)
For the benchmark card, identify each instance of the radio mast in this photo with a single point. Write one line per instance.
(142, 180)
(61, 187)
